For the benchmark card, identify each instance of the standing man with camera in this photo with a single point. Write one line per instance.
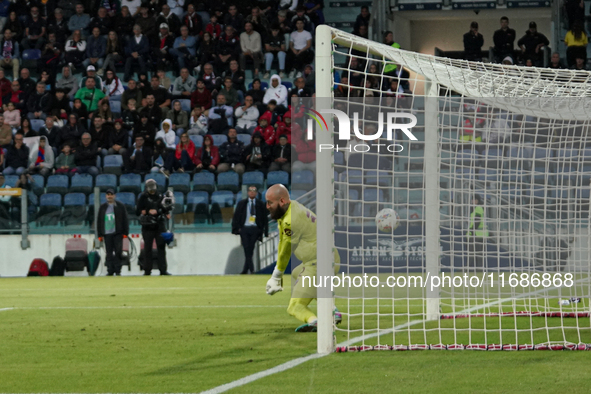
(112, 226)
(251, 223)
(153, 215)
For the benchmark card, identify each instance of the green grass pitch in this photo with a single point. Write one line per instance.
(189, 334)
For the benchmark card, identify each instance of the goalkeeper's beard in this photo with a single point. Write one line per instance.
(279, 212)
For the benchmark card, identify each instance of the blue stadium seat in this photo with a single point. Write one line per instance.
(275, 177)
(255, 178)
(586, 154)
(287, 84)
(186, 105)
(106, 181)
(179, 203)
(102, 197)
(373, 177)
(339, 160)
(113, 164)
(50, 202)
(245, 138)
(219, 139)
(72, 199)
(224, 198)
(31, 54)
(302, 180)
(159, 178)
(115, 106)
(11, 180)
(228, 181)
(373, 195)
(204, 181)
(74, 213)
(81, 183)
(567, 153)
(197, 140)
(295, 194)
(197, 197)
(368, 162)
(36, 124)
(130, 183)
(180, 182)
(38, 184)
(58, 184)
(127, 198)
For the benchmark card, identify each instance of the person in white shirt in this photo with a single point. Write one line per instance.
(300, 49)
(198, 122)
(276, 92)
(113, 87)
(247, 116)
(167, 134)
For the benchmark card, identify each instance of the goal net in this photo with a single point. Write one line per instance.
(487, 166)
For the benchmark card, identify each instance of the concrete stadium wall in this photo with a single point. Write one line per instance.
(195, 254)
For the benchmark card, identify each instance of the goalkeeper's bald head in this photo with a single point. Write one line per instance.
(277, 200)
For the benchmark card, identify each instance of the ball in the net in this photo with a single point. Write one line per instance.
(387, 220)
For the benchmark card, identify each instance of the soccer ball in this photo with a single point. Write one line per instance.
(387, 220)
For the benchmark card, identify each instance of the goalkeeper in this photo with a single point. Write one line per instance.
(297, 233)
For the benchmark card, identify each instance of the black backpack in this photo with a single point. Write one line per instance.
(58, 267)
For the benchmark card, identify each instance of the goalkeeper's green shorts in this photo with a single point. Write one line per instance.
(304, 288)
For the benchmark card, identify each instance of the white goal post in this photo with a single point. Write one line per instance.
(493, 191)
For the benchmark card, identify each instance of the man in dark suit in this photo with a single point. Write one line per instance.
(136, 51)
(250, 222)
(112, 226)
(139, 158)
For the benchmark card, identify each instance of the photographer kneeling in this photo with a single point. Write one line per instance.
(153, 214)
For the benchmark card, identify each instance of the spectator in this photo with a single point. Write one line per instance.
(147, 24)
(237, 75)
(276, 92)
(576, 44)
(555, 61)
(281, 155)
(26, 129)
(96, 50)
(138, 159)
(473, 42)
(179, 118)
(10, 53)
(59, 105)
(193, 21)
(102, 21)
(251, 46)
(80, 20)
(12, 118)
(113, 87)
(184, 85)
(104, 110)
(503, 39)
(52, 132)
(257, 155)
(301, 90)
(314, 11)
(169, 18)
(184, 49)
(286, 128)
(90, 95)
(231, 94)
(41, 160)
(214, 28)
(6, 129)
(300, 49)
(45, 78)
(17, 157)
(130, 116)
(220, 116)
(145, 129)
(207, 50)
(164, 45)
(176, 6)
(232, 154)
(165, 82)
(212, 83)
(91, 73)
(207, 156)
(250, 222)
(234, 18)
(68, 82)
(154, 112)
(65, 164)
(284, 24)
(167, 134)
(58, 26)
(265, 129)
(275, 47)
(113, 53)
(26, 83)
(580, 63)
(161, 95)
(185, 154)
(198, 122)
(133, 6)
(80, 110)
(132, 92)
(163, 158)
(86, 155)
(201, 97)
(228, 48)
(50, 56)
(301, 15)
(153, 7)
(112, 226)
(16, 96)
(137, 49)
(75, 50)
(35, 31)
(118, 140)
(258, 20)
(38, 103)
(257, 94)
(100, 133)
(125, 22)
(71, 133)
(363, 18)
(532, 43)
(246, 116)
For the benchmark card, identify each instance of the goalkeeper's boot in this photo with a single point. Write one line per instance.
(308, 327)
(338, 318)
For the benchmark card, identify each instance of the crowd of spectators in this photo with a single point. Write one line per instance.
(183, 65)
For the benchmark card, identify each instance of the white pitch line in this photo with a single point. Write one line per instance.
(5, 309)
(146, 307)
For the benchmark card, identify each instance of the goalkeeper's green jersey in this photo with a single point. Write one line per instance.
(297, 233)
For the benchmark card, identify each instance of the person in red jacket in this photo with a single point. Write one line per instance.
(266, 130)
(285, 128)
(201, 97)
(306, 152)
(213, 27)
(208, 156)
(185, 154)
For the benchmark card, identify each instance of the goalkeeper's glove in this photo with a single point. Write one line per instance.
(275, 284)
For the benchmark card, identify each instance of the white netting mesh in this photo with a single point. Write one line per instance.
(515, 137)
